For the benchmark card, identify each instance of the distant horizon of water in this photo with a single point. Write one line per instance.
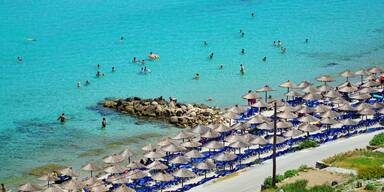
(72, 37)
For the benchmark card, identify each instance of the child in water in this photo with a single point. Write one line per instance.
(104, 123)
(242, 70)
(197, 76)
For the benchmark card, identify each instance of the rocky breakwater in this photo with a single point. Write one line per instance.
(179, 114)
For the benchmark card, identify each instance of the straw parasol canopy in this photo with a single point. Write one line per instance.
(180, 160)
(212, 126)
(191, 144)
(346, 107)
(124, 188)
(308, 119)
(306, 127)
(259, 104)
(312, 96)
(238, 109)
(135, 165)
(72, 185)
(265, 89)
(361, 96)
(306, 110)
(279, 139)
(289, 85)
(286, 107)
(286, 115)
(239, 144)
(241, 126)
(166, 141)
(363, 106)
(69, 172)
(173, 148)
(371, 84)
(114, 169)
(210, 134)
(126, 153)
(294, 94)
(304, 84)
(328, 121)
(283, 125)
(347, 74)
(257, 119)
(329, 114)
(332, 94)
(137, 174)
(225, 156)
(362, 72)
(199, 129)
(322, 108)
(339, 100)
(325, 88)
(113, 159)
(90, 181)
(206, 165)
(29, 187)
(157, 165)
(164, 177)
(375, 70)
(193, 154)
(349, 88)
(230, 115)
(258, 141)
(91, 166)
(233, 138)
(265, 126)
(184, 173)
(310, 89)
(154, 155)
(99, 188)
(248, 137)
(54, 188)
(366, 111)
(325, 78)
(222, 128)
(184, 135)
(348, 122)
(214, 145)
(250, 96)
(293, 133)
(149, 147)
(368, 90)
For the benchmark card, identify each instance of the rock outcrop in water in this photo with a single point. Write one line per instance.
(179, 114)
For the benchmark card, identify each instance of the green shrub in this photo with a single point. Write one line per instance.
(308, 143)
(374, 172)
(378, 140)
(291, 173)
(370, 187)
(321, 188)
(268, 180)
(298, 186)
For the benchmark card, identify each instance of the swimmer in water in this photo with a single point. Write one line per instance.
(134, 60)
(279, 43)
(211, 56)
(98, 66)
(209, 99)
(98, 74)
(87, 83)
(62, 118)
(221, 66)
(197, 76)
(78, 84)
(242, 34)
(306, 40)
(121, 38)
(143, 62)
(253, 14)
(205, 43)
(104, 123)
(113, 69)
(264, 58)
(274, 43)
(243, 51)
(283, 50)
(20, 59)
(241, 31)
(242, 69)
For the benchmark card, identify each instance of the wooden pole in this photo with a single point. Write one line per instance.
(274, 146)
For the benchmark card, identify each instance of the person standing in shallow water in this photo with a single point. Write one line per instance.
(3, 188)
(242, 69)
(62, 118)
(104, 123)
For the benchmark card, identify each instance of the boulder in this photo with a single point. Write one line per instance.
(174, 120)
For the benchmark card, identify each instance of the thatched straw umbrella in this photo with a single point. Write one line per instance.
(206, 166)
(210, 134)
(265, 89)
(149, 147)
(332, 94)
(90, 167)
(310, 89)
(308, 128)
(199, 129)
(180, 160)
(184, 173)
(127, 154)
(124, 188)
(157, 165)
(154, 155)
(69, 172)
(325, 79)
(193, 154)
(183, 135)
(308, 119)
(48, 178)
(113, 159)
(375, 70)
(191, 144)
(162, 177)
(304, 84)
(54, 188)
(347, 74)
(29, 187)
(135, 165)
(214, 145)
(362, 73)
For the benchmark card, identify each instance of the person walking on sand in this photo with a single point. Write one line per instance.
(104, 123)
(62, 118)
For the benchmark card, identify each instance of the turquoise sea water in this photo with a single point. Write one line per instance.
(74, 36)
